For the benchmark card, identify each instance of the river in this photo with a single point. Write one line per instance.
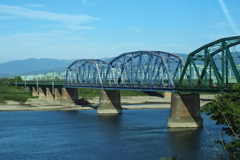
(85, 135)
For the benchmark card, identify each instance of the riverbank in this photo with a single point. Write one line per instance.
(132, 102)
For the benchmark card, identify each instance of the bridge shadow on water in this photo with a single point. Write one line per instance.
(185, 142)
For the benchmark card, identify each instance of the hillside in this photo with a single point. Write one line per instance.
(40, 66)
(32, 66)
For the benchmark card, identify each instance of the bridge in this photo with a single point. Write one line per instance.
(212, 68)
(220, 67)
(140, 70)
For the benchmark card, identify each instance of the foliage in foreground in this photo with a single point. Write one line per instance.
(225, 110)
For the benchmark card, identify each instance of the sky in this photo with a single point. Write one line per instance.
(92, 29)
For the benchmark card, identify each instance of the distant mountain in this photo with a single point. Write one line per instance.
(107, 59)
(184, 56)
(34, 66)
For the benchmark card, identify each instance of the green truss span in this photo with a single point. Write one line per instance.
(212, 67)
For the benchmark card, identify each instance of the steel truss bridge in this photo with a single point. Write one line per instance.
(162, 71)
(213, 67)
(140, 70)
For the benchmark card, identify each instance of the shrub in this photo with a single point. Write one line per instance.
(14, 93)
(225, 110)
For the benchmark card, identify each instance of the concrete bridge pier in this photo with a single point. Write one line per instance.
(69, 95)
(42, 93)
(185, 111)
(65, 95)
(34, 92)
(109, 102)
(58, 94)
(49, 94)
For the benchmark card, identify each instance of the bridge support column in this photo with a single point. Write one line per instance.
(109, 102)
(42, 93)
(58, 94)
(69, 94)
(49, 94)
(185, 111)
(34, 92)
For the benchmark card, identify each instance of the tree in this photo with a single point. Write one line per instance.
(17, 79)
(5, 81)
(225, 110)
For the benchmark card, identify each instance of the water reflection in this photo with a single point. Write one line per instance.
(109, 118)
(184, 141)
(110, 124)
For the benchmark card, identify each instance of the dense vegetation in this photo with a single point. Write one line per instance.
(91, 93)
(9, 92)
(225, 110)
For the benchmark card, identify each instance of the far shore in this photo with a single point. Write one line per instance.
(132, 102)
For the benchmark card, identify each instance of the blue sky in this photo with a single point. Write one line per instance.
(79, 29)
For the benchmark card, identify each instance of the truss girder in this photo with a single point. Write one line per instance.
(140, 70)
(217, 58)
(86, 72)
(174, 62)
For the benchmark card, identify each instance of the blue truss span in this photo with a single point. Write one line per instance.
(139, 70)
(86, 72)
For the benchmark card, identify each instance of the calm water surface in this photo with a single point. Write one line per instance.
(85, 135)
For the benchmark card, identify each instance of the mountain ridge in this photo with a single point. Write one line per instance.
(33, 66)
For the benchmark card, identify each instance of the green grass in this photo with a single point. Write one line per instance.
(92, 93)
(14, 93)
(88, 93)
(140, 93)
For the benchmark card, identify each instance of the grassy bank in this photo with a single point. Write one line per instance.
(8, 92)
(92, 93)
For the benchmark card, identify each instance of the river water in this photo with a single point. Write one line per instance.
(85, 135)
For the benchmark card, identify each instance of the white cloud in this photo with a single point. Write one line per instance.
(39, 38)
(135, 29)
(225, 24)
(34, 5)
(7, 17)
(219, 24)
(53, 44)
(71, 21)
(228, 16)
(214, 37)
